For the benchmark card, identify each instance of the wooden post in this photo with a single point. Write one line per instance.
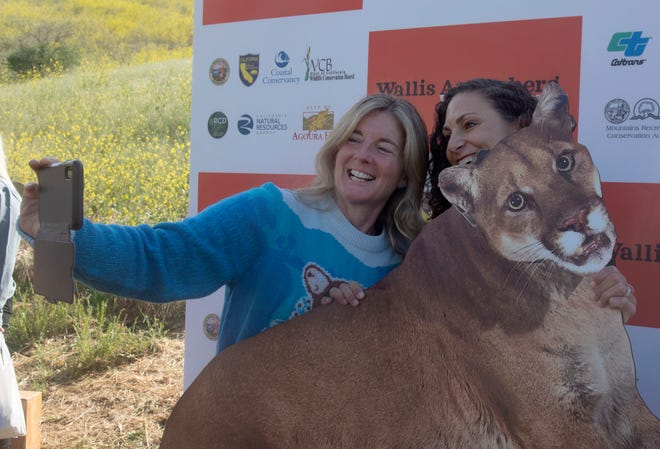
(31, 401)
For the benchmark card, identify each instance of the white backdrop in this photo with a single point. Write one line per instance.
(339, 42)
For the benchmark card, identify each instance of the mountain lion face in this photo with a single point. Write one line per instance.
(537, 194)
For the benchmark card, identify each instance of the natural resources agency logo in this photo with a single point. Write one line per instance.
(632, 44)
(219, 71)
(248, 68)
(262, 124)
(245, 124)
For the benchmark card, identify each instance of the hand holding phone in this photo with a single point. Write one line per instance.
(61, 189)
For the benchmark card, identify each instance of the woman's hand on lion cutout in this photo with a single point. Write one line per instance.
(29, 216)
(345, 293)
(612, 290)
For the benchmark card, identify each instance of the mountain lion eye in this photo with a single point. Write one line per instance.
(516, 201)
(565, 163)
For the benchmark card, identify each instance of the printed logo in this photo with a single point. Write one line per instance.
(632, 44)
(316, 121)
(219, 71)
(211, 326)
(646, 108)
(617, 111)
(281, 59)
(245, 124)
(218, 124)
(281, 74)
(321, 69)
(248, 68)
(316, 124)
(270, 123)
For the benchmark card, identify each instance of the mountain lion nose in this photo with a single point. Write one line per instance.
(577, 222)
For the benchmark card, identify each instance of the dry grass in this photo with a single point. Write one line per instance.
(124, 407)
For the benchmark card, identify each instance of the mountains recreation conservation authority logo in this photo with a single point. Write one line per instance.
(248, 68)
(617, 111)
(632, 44)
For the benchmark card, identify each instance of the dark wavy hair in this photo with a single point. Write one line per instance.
(509, 98)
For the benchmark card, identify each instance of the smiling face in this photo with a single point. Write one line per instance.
(368, 168)
(473, 124)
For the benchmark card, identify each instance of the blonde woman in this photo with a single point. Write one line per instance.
(277, 251)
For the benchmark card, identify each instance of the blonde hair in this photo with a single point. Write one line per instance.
(401, 217)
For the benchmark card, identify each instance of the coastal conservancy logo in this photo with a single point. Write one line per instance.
(248, 68)
(282, 74)
(219, 71)
(632, 44)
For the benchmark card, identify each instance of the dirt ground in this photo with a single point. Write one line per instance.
(125, 407)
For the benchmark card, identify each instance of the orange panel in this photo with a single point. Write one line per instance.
(421, 63)
(213, 187)
(633, 208)
(222, 11)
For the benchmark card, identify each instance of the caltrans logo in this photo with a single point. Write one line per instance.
(631, 43)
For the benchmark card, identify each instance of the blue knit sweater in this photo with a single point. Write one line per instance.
(274, 253)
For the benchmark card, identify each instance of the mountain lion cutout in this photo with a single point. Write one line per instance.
(486, 336)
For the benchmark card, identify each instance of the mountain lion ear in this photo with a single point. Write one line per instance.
(457, 185)
(551, 111)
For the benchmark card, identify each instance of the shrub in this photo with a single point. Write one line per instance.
(42, 59)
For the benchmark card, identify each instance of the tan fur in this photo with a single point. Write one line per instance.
(459, 347)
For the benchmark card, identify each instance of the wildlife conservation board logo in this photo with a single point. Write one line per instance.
(632, 44)
(248, 68)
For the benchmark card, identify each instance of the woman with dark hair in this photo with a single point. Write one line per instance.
(500, 107)
(475, 115)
